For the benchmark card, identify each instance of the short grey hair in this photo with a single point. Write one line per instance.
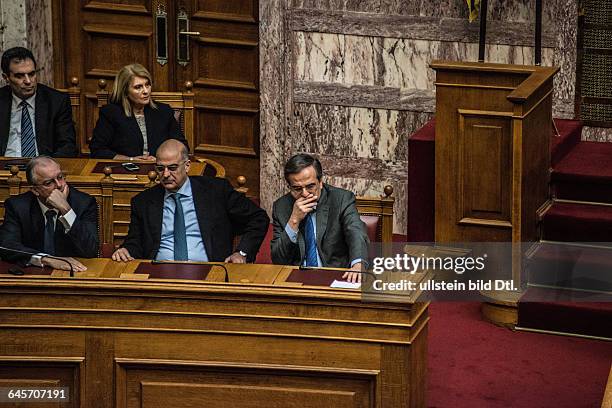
(32, 166)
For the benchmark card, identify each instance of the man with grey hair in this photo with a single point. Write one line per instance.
(191, 218)
(50, 219)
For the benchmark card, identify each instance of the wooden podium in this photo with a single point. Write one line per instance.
(257, 341)
(493, 129)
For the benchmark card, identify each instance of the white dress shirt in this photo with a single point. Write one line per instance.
(13, 146)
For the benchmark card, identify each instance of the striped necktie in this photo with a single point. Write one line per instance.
(28, 142)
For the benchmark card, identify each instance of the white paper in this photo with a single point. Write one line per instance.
(344, 285)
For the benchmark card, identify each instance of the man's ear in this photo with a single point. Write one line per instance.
(33, 190)
(5, 77)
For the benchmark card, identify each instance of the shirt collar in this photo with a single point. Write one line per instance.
(17, 100)
(44, 208)
(184, 191)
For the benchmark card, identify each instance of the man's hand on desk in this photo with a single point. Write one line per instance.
(122, 255)
(60, 263)
(353, 277)
(236, 258)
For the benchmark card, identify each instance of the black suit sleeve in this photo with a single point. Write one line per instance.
(102, 137)
(84, 230)
(11, 235)
(283, 250)
(248, 220)
(64, 134)
(354, 229)
(133, 241)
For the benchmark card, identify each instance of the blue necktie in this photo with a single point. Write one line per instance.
(180, 234)
(49, 238)
(28, 143)
(311, 242)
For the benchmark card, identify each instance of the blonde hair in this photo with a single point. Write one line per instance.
(122, 83)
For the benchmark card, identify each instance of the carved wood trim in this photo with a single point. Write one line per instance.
(119, 8)
(226, 41)
(231, 150)
(106, 29)
(414, 27)
(220, 83)
(237, 18)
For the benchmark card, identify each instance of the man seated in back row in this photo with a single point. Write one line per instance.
(316, 224)
(34, 119)
(191, 218)
(50, 219)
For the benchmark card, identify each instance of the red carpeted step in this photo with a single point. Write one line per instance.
(564, 311)
(571, 266)
(578, 223)
(570, 132)
(585, 174)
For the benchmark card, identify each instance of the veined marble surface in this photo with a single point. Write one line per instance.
(594, 134)
(274, 91)
(391, 62)
(13, 13)
(40, 39)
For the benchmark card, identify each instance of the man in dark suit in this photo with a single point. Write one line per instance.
(316, 224)
(191, 218)
(50, 219)
(34, 119)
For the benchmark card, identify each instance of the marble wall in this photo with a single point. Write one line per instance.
(350, 80)
(28, 23)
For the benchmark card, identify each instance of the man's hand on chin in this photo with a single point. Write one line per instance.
(58, 199)
(235, 258)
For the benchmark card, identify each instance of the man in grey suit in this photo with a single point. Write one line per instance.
(316, 224)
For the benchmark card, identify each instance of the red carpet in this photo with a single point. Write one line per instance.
(578, 223)
(585, 174)
(473, 364)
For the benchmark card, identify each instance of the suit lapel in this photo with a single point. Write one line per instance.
(204, 212)
(40, 122)
(155, 211)
(150, 126)
(6, 104)
(322, 215)
(38, 222)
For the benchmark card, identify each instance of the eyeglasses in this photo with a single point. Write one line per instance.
(160, 168)
(311, 188)
(53, 181)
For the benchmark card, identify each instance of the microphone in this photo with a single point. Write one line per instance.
(167, 262)
(18, 251)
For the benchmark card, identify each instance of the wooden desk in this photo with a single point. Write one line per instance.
(150, 343)
(112, 193)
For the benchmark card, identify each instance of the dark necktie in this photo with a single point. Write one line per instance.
(28, 144)
(49, 239)
(311, 242)
(180, 234)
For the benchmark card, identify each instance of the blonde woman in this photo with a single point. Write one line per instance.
(132, 125)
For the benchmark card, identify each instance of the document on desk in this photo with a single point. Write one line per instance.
(344, 285)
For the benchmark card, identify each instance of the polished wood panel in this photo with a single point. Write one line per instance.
(493, 124)
(117, 341)
(94, 39)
